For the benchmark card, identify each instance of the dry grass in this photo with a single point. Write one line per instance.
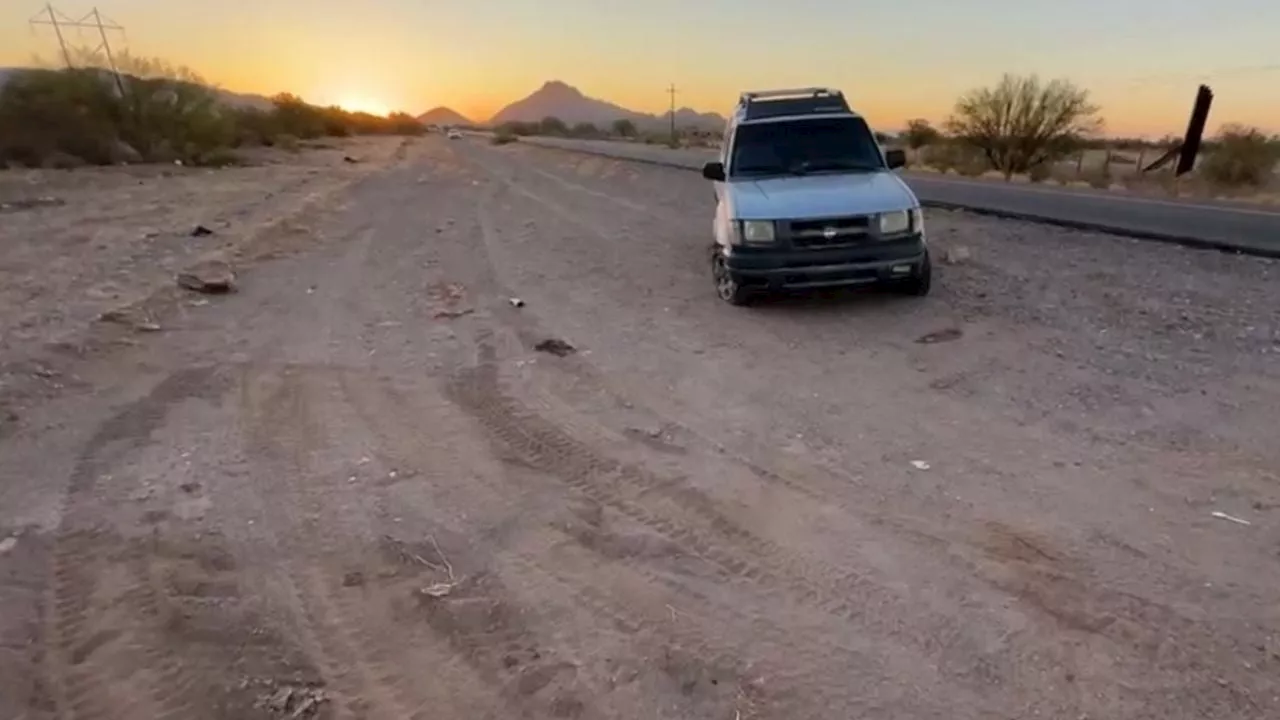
(1113, 170)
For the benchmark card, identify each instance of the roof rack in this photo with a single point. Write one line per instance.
(759, 104)
(746, 97)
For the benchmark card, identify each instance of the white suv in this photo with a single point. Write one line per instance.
(806, 198)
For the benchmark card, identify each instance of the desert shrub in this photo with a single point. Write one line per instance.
(585, 130)
(286, 142)
(518, 129)
(403, 124)
(174, 120)
(62, 118)
(957, 157)
(220, 157)
(1243, 157)
(294, 117)
(1040, 173)
(623, 127)
(1098, 177)
(920, 134)
(553, 126)
(973, 166)
(504, 136)
(254, 127)
(661, 139)
(938, 157)
(44, 113)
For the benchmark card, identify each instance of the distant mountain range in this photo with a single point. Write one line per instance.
(563, 101)
(444, 116)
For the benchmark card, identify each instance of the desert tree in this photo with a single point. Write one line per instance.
(1021, 122)
(920, 133)
(623, 127)
(553, 126)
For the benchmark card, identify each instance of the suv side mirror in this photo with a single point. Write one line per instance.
(895, 159)
(713, 171)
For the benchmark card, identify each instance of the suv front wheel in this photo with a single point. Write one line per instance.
(921, 282)
(727, 287)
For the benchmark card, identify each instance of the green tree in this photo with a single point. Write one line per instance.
(623, 127)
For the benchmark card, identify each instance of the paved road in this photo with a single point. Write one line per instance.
(1251, 229)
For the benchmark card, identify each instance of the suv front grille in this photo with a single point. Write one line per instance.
(830, 231)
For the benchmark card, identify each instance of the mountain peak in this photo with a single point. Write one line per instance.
(443, 116)
(556, 98)
(559, 89)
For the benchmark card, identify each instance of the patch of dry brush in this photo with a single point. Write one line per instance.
(66, 118)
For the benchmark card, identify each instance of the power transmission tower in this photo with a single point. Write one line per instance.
(671, 90)
(92, 19)
(53, 16)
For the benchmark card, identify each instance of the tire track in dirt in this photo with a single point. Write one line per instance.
(107, 655)
(485, 499)
(382, 620)
(691, 521)
(281, 430)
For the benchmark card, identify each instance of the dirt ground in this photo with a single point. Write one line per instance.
(356, 488)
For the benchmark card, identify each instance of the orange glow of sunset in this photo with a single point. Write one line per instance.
(894, 62)
(356, 103)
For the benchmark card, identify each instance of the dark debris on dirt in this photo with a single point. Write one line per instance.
(940, 336)
(555, 346)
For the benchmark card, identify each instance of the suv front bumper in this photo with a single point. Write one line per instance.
(864, 263)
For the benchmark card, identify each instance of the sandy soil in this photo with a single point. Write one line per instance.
(356, 489)
(75, 245)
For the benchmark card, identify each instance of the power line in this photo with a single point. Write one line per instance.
(1218, 74)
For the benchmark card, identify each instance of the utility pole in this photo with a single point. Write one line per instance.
(93, 20)
(671, 90)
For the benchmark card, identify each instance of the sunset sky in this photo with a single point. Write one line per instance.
(1141, 59)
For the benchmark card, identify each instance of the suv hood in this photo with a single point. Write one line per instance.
(817, 196)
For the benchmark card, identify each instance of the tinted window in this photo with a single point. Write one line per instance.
(804, 146)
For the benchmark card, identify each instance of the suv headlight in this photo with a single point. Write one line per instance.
(756, 232)
(895, 223)
(917, 221)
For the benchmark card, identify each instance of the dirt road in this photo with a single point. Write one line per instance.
(356, 489)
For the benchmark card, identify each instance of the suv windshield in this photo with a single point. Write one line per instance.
(797, 147)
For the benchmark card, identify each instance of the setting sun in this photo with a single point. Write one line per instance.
(362, 104)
